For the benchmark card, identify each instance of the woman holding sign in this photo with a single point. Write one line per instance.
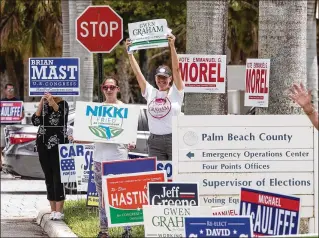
(303, 97)
(107, 152)
(52, 117)
(163, 103)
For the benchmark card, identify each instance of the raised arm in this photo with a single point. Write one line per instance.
(176, 71)
(136, 68)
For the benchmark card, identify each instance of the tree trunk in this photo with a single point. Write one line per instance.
(207, 23)
(312, 63)
(66, 48)
(282, 39)
(77, 50)
(122, 68)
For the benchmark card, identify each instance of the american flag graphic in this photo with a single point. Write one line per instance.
(67, 164)
(187, 195)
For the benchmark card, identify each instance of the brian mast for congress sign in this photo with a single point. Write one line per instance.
(59, 76)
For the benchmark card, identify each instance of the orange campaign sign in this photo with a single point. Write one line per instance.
(125, 196)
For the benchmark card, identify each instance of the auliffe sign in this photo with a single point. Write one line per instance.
(178, 194)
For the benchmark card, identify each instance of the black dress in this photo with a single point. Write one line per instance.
(52, 132)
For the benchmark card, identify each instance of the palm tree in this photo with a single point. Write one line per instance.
(77, 50)
(206, 34)
(282, 38)
(30, 29)
(312, 63)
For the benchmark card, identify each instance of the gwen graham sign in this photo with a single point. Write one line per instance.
(178, 194)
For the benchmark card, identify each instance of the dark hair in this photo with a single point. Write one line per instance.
(8, 84)
(109, 78)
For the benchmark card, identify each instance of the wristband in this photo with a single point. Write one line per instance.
(311, 112)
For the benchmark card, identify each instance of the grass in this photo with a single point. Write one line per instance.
(84, 221)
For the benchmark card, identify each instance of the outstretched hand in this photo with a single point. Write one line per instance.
(128, 42)
(171, 39)
(300, 95)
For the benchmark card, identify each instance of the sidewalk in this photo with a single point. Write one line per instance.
(21, 203)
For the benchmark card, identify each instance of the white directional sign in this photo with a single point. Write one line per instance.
(276, 153)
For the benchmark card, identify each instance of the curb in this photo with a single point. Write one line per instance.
(53, 228)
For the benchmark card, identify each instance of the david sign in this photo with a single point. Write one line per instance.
(59, 76)
(98, 122)
(220, 226)
(257, 82)
(174, 194)
(203, 73)
(272, 214)
(125, 195)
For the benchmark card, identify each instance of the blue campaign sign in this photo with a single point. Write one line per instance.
(129, 166)
(272, 213)
(219, 226)
(175, 194)
(92, 198)
(160, 165)
(59, 76)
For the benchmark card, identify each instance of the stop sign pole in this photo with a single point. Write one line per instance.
(99, 29)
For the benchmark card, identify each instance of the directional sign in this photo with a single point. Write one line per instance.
(99, 29)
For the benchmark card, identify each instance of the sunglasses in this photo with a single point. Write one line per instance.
(112, 87)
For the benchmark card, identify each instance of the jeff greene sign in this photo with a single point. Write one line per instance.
(59, 76)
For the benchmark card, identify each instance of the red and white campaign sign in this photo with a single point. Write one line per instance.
(257, 82)
(11, 111)
(203, 73)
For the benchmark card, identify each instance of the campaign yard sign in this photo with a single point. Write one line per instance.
(168, 221)
(161, 165)
(106, 123)
(11, 111)
(203, 73)
(59, 76)
(67, 156)
(125, 194)
(219, 226)
(257, 82)
(92, 197)
(148, 34)
(129, 166)
(225, 211)
(173, 194)
(272, 213)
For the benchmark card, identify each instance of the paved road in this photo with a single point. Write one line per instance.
(21, 200)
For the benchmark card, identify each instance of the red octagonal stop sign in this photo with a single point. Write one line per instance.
(99, 29)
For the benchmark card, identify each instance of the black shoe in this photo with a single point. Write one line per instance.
(102, 235)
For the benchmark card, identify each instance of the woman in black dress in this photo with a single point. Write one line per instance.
(52, 117)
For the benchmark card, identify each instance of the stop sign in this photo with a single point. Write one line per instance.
(99, 29)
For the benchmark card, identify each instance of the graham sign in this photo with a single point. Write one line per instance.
(257, 82)
(203, 73)
(273, 153)
(168, 221)
(59, 76)
(175, 194)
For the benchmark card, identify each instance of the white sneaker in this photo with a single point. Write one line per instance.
(52, 215)
(58, 216)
